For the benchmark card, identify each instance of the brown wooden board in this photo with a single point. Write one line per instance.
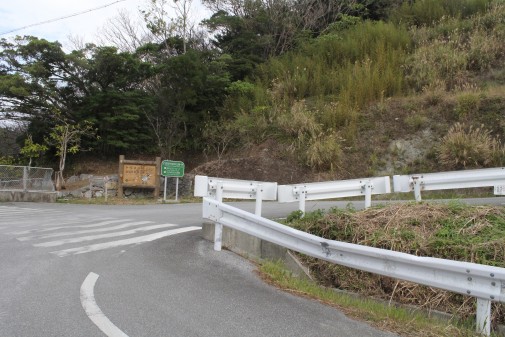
(139, 174)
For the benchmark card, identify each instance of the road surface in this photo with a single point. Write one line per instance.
(91, 270)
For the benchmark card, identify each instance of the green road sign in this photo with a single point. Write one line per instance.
(171, 168)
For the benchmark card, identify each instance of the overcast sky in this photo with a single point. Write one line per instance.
(15, 14)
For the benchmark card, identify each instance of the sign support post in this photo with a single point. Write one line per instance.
(175, 169)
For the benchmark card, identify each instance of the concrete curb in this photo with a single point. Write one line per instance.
(27, 196)
(251, 246)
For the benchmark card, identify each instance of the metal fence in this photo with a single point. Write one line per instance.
(25, 178)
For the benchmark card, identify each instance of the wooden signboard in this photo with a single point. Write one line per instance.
(139, 174)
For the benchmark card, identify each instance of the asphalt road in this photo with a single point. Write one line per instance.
(156, 277)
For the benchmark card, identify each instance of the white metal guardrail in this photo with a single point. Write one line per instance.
(334, 189)
(492, 177)
(219, 188)
(486, 283)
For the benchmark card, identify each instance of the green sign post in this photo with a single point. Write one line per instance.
(172, 168)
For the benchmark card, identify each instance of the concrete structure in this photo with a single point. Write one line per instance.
(252, 247)
(27, 196)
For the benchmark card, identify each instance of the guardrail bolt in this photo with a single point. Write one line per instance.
(469, 279)
(493, 284)
(492, 275)
(468, 292)
(492, 297)
(468, 270)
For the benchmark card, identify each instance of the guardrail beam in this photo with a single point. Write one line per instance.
(486, 283)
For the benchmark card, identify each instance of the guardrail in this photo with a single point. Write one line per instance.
(334, 189)
(25, 178)
(492, 177)
(486, 283)
(219, 188)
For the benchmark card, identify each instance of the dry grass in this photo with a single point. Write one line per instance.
(455, 231)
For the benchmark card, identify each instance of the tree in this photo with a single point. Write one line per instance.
(97, 84)
(38, 78)
(164, 26)
(66, 138)
(32, 150)
(124, 32)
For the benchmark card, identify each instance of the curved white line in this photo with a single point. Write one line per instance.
(93, 311)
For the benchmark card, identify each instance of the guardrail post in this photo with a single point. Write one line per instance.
(368, 194)
(483, 316)
(259, 195)
(417, 188)
(218, 228)
(302, 193)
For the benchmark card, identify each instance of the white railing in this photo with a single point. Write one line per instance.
(334, 189)
(219, 188)
(492, 177)
(486, 283)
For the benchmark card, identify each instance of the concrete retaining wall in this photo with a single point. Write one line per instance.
(28, 196)
(251, 246)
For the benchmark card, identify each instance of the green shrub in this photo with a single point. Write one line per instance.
(416, 121)
(467, 103)
(7, 160)
(435, 62)
(469, 147)
(429, 12)
(299, 123)
(324, 151)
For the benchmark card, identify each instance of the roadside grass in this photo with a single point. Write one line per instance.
(386, 317)
(454, 231)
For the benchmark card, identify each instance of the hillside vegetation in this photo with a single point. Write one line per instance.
(388, 97)
(371, 87)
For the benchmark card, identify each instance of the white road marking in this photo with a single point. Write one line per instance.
(101, 236)
(106, 245)
(108, 229)
(93, 311)
(103, 223)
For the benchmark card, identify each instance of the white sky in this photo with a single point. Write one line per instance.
(19, 13)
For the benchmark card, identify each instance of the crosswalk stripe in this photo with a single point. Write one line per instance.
(101, 236)
(52, 221)
(125, 242)
(54, 235)
(103, 223)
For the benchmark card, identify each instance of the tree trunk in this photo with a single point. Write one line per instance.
(59, 180)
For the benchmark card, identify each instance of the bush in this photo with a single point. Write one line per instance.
(467, 103)
(428, 12)
(467, 147)
(299, 123)
(324, 151)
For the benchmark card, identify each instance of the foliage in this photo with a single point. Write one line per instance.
(219, 135)
(428, 12)
(324, 151)
(467, 147)
(299, 72)
(454, 231)
(467, 103)
(66, 138)
(7, 160)
(32, 150)
(447, 54)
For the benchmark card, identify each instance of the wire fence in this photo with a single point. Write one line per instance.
(25, 178)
